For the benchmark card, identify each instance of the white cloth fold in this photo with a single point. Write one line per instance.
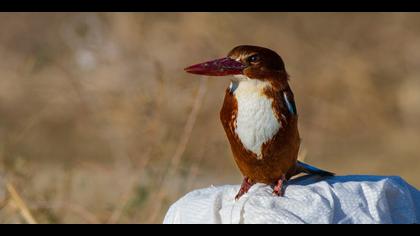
(308, 199)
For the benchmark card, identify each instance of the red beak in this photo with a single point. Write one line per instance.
(218, 67)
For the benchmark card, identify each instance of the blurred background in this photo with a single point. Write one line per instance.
(100, 124)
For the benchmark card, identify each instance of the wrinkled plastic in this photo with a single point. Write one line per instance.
(308, 199)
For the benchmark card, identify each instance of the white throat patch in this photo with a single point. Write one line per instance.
(256, 122)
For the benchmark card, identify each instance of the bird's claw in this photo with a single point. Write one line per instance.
(278, 189)
(246, 185)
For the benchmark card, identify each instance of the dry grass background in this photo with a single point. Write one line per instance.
(99, 123)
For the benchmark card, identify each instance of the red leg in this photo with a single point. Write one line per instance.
(246, 185)
(278, 188)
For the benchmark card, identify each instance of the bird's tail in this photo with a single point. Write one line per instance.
(308, 169)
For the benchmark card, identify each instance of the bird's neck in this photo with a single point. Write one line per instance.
(248, 85)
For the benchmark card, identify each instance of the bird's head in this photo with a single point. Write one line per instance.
(244, 62)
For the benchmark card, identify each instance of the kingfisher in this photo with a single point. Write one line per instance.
(259, 116)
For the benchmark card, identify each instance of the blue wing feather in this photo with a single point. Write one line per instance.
(290, 102)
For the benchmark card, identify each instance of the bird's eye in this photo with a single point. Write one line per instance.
(253, 58)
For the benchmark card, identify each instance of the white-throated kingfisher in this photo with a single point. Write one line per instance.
(259, 116)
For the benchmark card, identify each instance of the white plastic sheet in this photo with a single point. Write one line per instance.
(308, 199)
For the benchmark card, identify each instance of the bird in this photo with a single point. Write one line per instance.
(259, 117)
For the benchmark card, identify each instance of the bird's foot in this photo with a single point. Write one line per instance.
(279, 186)
(246, 185)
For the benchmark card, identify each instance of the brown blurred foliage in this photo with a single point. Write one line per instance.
(99, 123)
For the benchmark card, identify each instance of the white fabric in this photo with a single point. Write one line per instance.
(308, 199)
